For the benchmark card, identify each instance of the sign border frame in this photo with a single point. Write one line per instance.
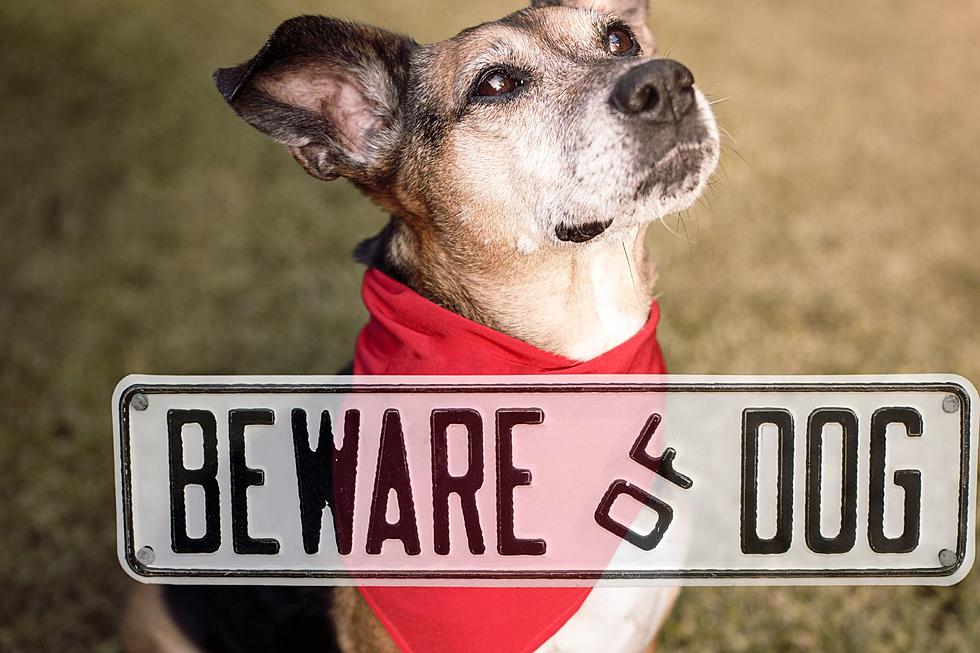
(127, 389)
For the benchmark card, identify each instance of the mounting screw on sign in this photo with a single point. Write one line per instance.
(140, 402)
(947, 558)
(951, 404)
(145, 555)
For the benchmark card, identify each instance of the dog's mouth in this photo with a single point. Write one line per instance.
(677, 172)
(581, 233)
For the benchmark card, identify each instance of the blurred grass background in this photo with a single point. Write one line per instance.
(144, 228)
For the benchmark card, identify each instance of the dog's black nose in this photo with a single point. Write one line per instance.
(661, 90)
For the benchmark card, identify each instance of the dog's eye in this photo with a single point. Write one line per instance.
(497, 82)
(619, 41)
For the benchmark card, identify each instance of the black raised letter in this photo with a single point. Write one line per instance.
(181, 477)
(326, 477)
(392, 474)
(752, 419)
(648, 542)
(662, 465)
(908, 479)
(242, 477)
(443, 484)
(844, 541)
(509, 477)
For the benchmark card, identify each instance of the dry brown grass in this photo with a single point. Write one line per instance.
(144, 229)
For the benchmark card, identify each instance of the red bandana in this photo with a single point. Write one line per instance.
(407, 335)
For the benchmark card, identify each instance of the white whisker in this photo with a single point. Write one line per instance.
(728, 134)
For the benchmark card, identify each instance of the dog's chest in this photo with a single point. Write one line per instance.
(614, 620)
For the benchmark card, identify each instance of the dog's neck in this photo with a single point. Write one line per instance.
(577, 301)
(581, 301)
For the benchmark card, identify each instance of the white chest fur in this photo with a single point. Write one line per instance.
(614, 620)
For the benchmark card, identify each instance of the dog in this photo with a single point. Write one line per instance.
(522, 162)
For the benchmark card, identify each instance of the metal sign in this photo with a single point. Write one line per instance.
(586, 480)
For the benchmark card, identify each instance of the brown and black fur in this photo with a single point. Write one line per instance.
(524, 211)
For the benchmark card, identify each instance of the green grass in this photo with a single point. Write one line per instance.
(145, 229)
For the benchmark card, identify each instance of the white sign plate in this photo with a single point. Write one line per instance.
(586, 480)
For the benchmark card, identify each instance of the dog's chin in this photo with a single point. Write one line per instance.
(673, 184)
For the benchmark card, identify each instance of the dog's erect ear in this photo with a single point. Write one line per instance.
(634, 12)
(330, 90)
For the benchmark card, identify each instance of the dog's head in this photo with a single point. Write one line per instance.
(551, 127)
